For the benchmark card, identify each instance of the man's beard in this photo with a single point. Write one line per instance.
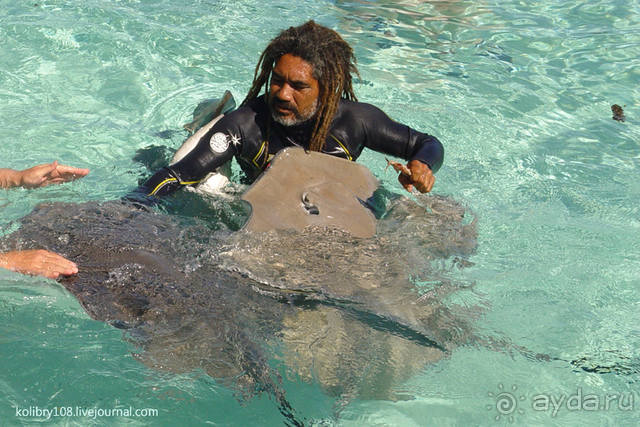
(298, 118)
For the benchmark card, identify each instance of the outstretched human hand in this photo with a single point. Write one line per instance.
(420, 177)
(50, 173)
(38, 262)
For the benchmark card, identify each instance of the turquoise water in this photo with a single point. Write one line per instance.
(519, 93)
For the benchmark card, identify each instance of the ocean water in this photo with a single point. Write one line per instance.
(520, 95)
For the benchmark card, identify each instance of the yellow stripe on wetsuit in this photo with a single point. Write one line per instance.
(343, 147)
(168, 180)
(259, 154)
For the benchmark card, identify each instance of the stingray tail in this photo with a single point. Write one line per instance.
(260, 374)
(603, 362)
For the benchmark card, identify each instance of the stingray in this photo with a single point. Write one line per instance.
(208, 109)
(339, 308)
(149, 274)
(303, 189)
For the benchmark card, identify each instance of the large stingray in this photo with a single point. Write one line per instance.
(309, 188)
(334, 308)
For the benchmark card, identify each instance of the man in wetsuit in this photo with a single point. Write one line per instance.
(308, 102)
(39, 261)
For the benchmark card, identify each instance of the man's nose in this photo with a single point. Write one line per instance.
(285, 93)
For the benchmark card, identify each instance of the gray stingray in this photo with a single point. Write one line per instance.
(302, 189)
(208, 109)
(334, 308)
(150, 274)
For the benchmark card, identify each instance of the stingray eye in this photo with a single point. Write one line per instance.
(309, 207)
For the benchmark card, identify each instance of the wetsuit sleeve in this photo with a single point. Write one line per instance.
(390, 137)
(215, 148)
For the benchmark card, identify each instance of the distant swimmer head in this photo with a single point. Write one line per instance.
(618, 113)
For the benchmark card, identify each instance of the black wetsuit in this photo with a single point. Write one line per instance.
(250, 134)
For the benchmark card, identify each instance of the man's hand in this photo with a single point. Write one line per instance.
(421, 177)
(38, 262)
(50, 173)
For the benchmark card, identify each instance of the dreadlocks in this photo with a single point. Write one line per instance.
(332, 60)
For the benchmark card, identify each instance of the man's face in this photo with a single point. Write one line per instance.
(293, 92)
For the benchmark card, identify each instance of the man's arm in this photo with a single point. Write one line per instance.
(423, 152)
(9, 178)
(40, 176)
(38, 262)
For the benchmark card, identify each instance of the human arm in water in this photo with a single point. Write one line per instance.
(40, 176)
(38, 262)
(421, 178)
(424, 153)
(414, 173)
(422, 165)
